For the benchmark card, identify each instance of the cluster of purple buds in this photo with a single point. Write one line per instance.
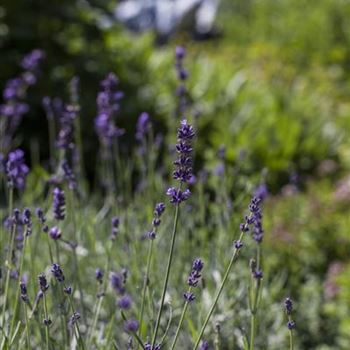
(158, 211)
(57, 272)
(27, 221)
(59, 203)
(255, 219)
(16, 169)
(107, 106)
(69, 176)
(115, 228)
(43, 283)
(23, 289)
(183, 164)
(182, 76)
(42, 219)
(148, 346)
(288, 305)
(65, 138)
(256, 272)
(193, 278)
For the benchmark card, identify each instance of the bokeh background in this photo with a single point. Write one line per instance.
(269, 79)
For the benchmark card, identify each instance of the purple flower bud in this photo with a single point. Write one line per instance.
(125, 302)
(68, 290)
(43, 283)
(16, 169)
(189, 297)
(291, 324)
(288, 304)
(59, 203)
(74, 319)
(131, 326)
(55, 233)
(57, 272)
(99, 275)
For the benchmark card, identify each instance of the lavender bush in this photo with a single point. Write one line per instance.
(122, 271)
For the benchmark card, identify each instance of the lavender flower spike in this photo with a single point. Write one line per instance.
(59, 203)
(16, 169)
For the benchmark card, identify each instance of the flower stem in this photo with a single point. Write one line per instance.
(46, 323)
(218, 293)
(184, 310)
(171, 252)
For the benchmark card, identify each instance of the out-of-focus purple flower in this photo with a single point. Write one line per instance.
(261, 191)
(69, 176)
(219, 169)
(14, 89)
(65, 138)
(68, 290)
(125, 302)
(117, 281)
(157, 213)
(131, 326)
(107, 106)
(204, 345)
(42, 218)
(59, 203)
(189, 296)
(55, 233)
(16, 169)
(32, 60)
(143, 126)
(27, 221)
(57, 272)
(182, 76)
(222, 152)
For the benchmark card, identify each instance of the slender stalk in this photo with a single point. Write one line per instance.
(184, 310)
(145, 283)
(8, 263)
(291, 343)
(218, 293)
(171, 252)
(27, 326)
(46, 323)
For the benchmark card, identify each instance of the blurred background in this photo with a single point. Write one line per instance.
(268, 79)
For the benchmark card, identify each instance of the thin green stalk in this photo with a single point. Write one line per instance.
(27, 326)
(291, 343)
(145, 283)
(211, 310)
(15, 308)
(8, 263)
(171, 252)
(184, 310)
(47, 335)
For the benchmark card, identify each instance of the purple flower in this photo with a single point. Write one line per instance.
(261, 191)
(148, 346)
(68, 290)
(57, 272)
(131, 326)
(23, 288)
(16, 169)
(117, 281)
(107, 106)
(43, 283)
(65, 138)
(115, 228)
(204, 345)
(32, 60)
(143, 126)
(55, 233)
(189, 297)
(59, 204)
(157, 213)
(195, 274)
(177, 196)
(99, 275)
(288, 304)
(291, 324)
(125, 302)
(69, 175)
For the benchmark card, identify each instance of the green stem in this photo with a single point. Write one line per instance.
(291, 344)
(145, 283)
(171, 252)
(211, 310)
(27, 326)
(180, 324)
(46, 323)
